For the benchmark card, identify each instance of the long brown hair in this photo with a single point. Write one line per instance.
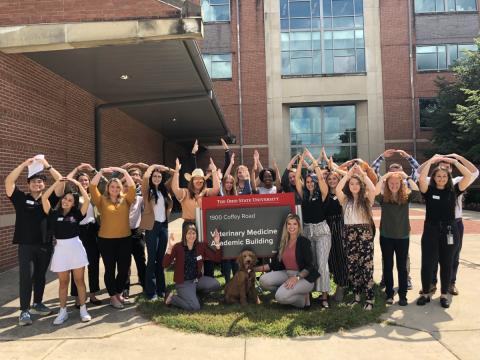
(362, 200)
(286, 236)
(234, 188)
(403, 192)
(188, 225)
(449, 186)
(191, 188)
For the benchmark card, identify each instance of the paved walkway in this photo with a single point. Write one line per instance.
(415, 332)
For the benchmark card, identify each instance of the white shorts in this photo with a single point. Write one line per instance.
(68, 254)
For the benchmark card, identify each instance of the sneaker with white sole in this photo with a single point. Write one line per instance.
(40, 309)
(25, 318)
(84, 315)
(61, 317)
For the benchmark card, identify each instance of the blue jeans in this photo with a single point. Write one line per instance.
(156, 241)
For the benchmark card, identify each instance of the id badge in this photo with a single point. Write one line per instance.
(450, 238)
(199, 257)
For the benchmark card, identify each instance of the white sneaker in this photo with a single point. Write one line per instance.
(61, 317)
(84, 315)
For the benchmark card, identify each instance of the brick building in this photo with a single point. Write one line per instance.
(78, 78)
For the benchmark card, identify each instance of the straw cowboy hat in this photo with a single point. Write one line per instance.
(195, 173)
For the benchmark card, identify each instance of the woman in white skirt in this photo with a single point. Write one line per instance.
(69, 254)
(314, 195)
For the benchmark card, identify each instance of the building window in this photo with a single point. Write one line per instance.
(432, 6)
(427, 108)
(215, 10)
(441, 57)
(322, 37)
(331, 126)
(219, 66)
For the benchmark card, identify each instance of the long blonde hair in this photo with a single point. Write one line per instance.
(120, 196)
(286, 236)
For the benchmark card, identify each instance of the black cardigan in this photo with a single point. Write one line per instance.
(304, 257)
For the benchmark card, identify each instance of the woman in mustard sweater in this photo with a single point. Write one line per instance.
(114, 240)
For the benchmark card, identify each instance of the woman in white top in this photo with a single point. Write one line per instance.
(157, 205)
(270, 178)
(356, 194)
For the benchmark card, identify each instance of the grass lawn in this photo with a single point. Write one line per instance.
(267, 319)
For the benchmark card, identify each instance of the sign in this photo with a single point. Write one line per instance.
(246, 221)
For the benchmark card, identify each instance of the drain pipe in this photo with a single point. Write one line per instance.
(412, 85)
(240, 107)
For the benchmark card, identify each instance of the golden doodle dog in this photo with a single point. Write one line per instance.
(241, 289)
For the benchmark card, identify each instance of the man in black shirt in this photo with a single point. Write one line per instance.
(31, 236)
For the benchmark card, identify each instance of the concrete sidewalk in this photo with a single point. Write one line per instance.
(412, 332)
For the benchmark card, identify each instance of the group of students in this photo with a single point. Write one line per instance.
(334, 234)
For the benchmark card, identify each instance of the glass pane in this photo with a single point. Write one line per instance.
(219, 2)
(300, 54)
(452, 54)
(327, 23)
(442, 57)
(207, 59)
(344, 52)
(422, 6)
(317, 62)
(342, 7)
(451, 5)
(284, 24)
(339, 119)
(427, 61)
(316, 24)
(316, 45)
(343, 39)
(315, 7)
(328, 61)
(285, 41)
(305, 125)
(361, 60)
(328, 39)
(300, 9)
(301, 66)
(359, 42)
(341, 153)
(283, 9)
(327, 8)
(343, 22)
(221, 57)
(440, 5)
(285, 63)
(466, 5)
(221, 13)
(358, 7)
(222, 70)
(300, 41)
(344, 64)
(426, 49)
(300, 24)
(359, 22)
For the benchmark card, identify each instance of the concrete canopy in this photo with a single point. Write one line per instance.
(151, 69)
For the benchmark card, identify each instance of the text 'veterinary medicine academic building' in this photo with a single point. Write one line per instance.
(139, 80)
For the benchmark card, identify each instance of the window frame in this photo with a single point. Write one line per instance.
(227, 2)
(322, 134)
(211, 62)
(448, 59)
(445, 7)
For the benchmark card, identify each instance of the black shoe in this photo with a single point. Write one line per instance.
(422, 300)
(96, 302)
(444, 303)
(382, 284)
(403, 302)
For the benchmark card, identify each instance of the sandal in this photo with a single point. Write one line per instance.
(368, 306)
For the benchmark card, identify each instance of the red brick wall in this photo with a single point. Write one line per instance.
(14, 12)
(41, 112)
(254, 88)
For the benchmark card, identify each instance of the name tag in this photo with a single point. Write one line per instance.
(30, 202)
(436, 197)
(199, 257)
(60, 219)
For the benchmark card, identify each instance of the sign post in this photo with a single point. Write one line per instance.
(246, 221)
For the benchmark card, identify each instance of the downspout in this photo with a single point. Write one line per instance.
(240, 107)
(412, 85)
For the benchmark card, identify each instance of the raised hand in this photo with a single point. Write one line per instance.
(195, 147)
(216, 238)
(403, 154)
(232, 159)
(178, 166)
(212, 166)
(224, 144)
(389, 152)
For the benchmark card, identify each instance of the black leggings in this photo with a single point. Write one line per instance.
(435, 248)
(399, 248)
(88, 235)
(116, 253)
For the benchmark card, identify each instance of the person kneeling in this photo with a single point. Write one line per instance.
(188, 256)
(293, 274)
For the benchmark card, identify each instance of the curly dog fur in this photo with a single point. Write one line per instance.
(241, 289)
